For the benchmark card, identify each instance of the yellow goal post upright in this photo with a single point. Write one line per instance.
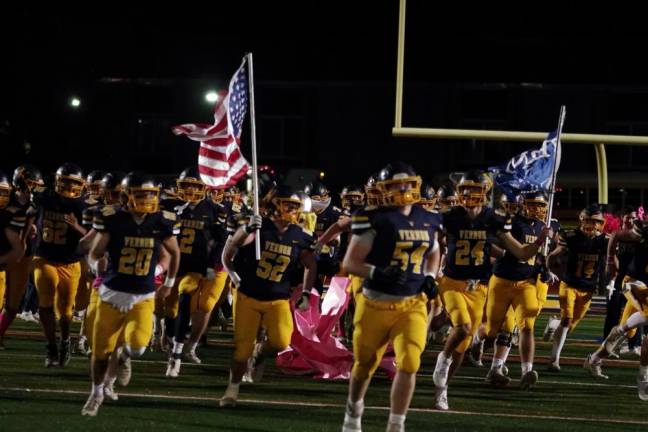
(599, 140)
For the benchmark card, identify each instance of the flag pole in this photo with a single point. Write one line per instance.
(255, 177)
(554, 172)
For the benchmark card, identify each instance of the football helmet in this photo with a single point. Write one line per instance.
(446, 198)
(428, 197)
(399, 185)
(142, 191)
(592, 220)
(473, 188)
(319, 195)
(27, 177)
(535, 205)
(5, 190)
(216, 195)
(232, 194)
(287, 203)
(93, 183)
(111, 188)
(190, 187)
(352, 197)
(509, 201)
(374, 197)
(69, 181)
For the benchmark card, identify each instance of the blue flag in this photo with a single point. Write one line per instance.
(530, 170)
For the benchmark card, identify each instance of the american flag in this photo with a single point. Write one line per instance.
(220, 161)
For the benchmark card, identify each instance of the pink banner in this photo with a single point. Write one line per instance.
(313, 348)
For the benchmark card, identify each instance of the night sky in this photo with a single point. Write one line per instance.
(325, 90)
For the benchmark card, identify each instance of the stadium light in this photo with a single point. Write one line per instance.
(211, 96)
(322, 174)
(75, 102)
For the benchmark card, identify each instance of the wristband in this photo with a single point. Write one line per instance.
(371, 271)
(434, 276)
(169, 282)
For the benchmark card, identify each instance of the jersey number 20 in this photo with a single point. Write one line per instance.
(135, 261)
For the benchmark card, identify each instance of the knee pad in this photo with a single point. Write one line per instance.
(504, 339)
(134, 352)
(410, 363)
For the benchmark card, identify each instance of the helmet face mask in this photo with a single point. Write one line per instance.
(472, 194)
(191, 190)
(401, 190)
(5, 194)
(143, 199)
(288, 209)
(352, 200)
(320, 203)
(592, 220)
(69, 186)
(216, 195)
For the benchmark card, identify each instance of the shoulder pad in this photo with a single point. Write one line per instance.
(168, 215)
(108, 210)
(337, 209)
(39, 189)
(500, 212)
(91, 201)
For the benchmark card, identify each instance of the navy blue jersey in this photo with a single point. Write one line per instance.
(328, 262)
(469, 242)
(11, 218)
(526, 231)
(29, 211)
(269, 278)
(585, 258)
(398, 240)
(133, 249)
(92, 206)
(199, 229)
(58, 242)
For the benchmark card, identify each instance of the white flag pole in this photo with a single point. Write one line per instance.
(255, 177)
(554, 173)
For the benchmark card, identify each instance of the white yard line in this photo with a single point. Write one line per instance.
(340, 406)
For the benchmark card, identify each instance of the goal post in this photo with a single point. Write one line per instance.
(599, 140)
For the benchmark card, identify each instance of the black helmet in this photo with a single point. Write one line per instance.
(592, 219)
(374, 197)
(446, 197)
(352, 197)
(190, 186)
(69, 181)
(508, 200)
(111, 184)
(319, 195)
(142, 191)
(472, 188)
(26, 177)
(399, 185)
(93, 182)
(428, 197)
(5, 190)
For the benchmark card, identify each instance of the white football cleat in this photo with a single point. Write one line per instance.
(594, 369)
(642, 387)
(191, 357)
(441, 399)
(110, 392)
(92, 405)
(529, 380)
(173, 367)
(124, 372)
(230, 396)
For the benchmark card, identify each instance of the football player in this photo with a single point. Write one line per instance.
(263, 292)
(131, 238)
(395, 251)
(199, 284)
(469, 229)
(57, 267)
(25, 179)
(586, 249)
(512, 290)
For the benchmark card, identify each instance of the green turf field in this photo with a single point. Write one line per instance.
(39, 399)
